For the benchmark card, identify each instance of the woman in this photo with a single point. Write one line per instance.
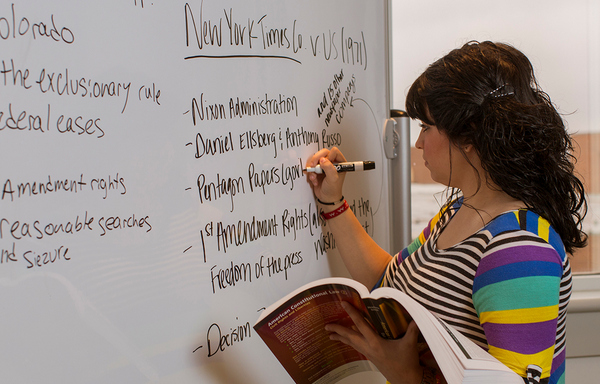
(493, 262)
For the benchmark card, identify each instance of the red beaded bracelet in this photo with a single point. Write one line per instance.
(335, 212)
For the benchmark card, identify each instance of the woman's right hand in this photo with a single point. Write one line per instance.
(327, 187)
(364, 258)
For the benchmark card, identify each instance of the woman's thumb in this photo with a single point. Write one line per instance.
(412, 332)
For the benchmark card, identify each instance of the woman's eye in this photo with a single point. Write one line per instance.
(424, 127)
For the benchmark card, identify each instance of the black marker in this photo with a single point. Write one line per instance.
(345, 167)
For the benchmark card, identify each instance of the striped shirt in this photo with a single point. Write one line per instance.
(505, 287)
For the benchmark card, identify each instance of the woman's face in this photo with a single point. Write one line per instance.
(436, 153)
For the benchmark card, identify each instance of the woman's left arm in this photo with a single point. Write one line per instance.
(516, 295)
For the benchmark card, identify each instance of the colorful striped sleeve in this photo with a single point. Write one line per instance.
(403, 254)
(421, 239)
(516, 296)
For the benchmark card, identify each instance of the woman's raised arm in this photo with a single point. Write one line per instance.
(363, 257)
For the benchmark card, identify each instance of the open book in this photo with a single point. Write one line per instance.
(293, 328)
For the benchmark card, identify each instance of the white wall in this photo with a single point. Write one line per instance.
(561, 38)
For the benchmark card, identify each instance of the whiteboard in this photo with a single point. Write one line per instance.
(152, 195)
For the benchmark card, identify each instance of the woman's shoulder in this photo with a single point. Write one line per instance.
(441, 218)
(525, 225)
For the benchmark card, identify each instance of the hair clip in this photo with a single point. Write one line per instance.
(503, 90)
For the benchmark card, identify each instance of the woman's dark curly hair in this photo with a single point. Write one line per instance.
(485, 94)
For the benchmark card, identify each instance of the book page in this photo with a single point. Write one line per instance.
(470, 354)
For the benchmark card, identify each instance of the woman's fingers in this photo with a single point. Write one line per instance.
(359, 321)
(412, 333)
(359, 336)
(327, 186)
(329, 169)
(334, 155)
(314, 159)
(345, 334)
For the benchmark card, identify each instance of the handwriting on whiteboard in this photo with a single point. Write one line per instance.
(227, 35)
